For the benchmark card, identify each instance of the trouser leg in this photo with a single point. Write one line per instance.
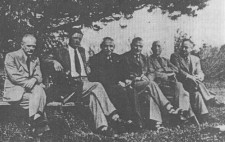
(205, 92)
(100, 105)
(34, 101)
(97, 111)
(155, 97)
(198, 103)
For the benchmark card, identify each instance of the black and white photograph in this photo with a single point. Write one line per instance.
(112, 71)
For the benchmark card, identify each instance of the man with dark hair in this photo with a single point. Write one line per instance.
(71, 61)
(191, 75)
(135, 73)
(105, 68)
(163, 72)
(23, 84)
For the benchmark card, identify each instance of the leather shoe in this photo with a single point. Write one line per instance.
(108, 132)
(214, 102)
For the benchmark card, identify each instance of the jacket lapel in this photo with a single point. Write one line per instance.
(23, 60)
(183, 63)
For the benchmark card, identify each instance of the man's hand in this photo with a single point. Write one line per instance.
(171, 74)
(30, 83)
(128, 82)
(145, 78)
(57, 66)
(122, 84)
(191, 77)
(198, 77)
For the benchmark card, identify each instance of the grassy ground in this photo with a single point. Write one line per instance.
(14, 127)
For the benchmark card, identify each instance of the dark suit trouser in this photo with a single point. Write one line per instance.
(119, 96)
(155, 97)
(198, 97)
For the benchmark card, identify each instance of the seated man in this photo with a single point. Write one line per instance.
(105, 68)
(135, 71)
(23, 84)
(162, 71)
(191, 75)
(71, 61)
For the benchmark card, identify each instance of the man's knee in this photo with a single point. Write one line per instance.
(38, 90)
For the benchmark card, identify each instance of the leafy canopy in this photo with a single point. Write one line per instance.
(43, 17)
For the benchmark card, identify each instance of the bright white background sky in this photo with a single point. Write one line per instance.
(208, 27)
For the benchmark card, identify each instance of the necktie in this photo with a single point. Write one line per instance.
(159, 60)
(28, 64)
(187, 60)
(77, 62)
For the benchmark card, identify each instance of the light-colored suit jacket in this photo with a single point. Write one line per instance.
(180, 63)
(17, 74)
(159, 70)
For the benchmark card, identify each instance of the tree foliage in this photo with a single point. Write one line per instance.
(44, 17)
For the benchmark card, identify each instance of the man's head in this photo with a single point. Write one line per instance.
(75, 38)
(28, 44)
(137, 45)
(156, 48)
(107, 45)
(186, 47)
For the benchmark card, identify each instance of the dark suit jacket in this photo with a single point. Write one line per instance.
(159, 70)
(104, 71)
(131, 67)
(179, 62)
(61, 55)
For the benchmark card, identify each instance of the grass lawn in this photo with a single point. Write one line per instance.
(14, 127)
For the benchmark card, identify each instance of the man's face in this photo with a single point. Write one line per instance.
(108, 47)
(75, 40)
(186, 48)
(157, 49)
(29, 45)
(137, 47)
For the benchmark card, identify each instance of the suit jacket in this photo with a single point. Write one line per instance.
(184, 70)
(17, 74)
(105, 71)
(61, 55)
(159, 70)
(132, 67)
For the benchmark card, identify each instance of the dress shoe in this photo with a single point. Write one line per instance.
(106, 132)
(215, 103)
(177, 111)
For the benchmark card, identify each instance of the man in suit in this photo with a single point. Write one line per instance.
(105, 68)
(135, 72)
(23, 84)
(163, 72)
(71, 60)
(191, 75)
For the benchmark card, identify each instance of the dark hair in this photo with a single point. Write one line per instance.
(104, 39)
(136, 39)
(75, 30)
(154, 43)
(186, 39)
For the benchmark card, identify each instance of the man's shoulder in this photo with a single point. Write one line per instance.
(195, 58)
(175, 55)
(126, 54)
(15, 54)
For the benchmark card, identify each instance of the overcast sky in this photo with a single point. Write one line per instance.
(208, 27)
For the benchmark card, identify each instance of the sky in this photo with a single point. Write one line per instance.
(208, 27)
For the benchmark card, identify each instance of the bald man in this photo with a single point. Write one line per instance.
(23, 84)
